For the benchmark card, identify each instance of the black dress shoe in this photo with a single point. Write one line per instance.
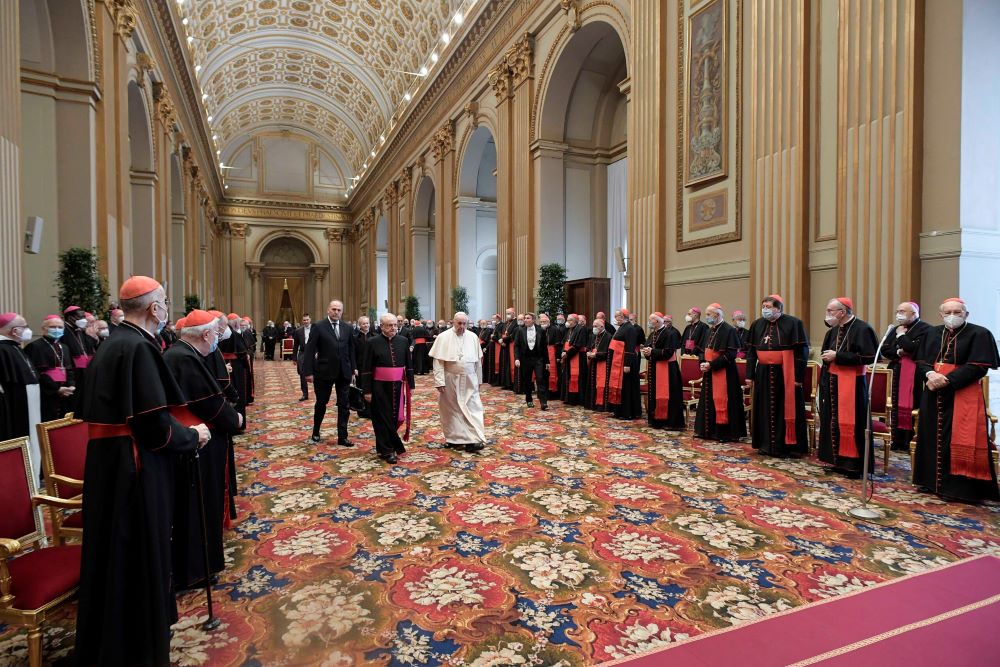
(345, 443)
(304, 398)
(530, 404)
(391, 458)
(545, 406)
(314, 437)
(401, 449)
(474, 447)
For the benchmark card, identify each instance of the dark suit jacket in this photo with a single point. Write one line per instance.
(327, 357)
(521, 351)
(299, 340)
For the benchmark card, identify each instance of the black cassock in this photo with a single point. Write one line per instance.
(973, 351)
(574, 364)
(597, 381)
(694, 338)
(778, 431)
(250, 338)
(126, 602)
(217, 366)
(629, 401)
(234, 351)
(496, 370)
(855, 345)
(720, 352)
(742, 338)
(900, 352)
(664, 400)
(554, 339)
(486, 344)
(382, 352)
(54, 364)
(16, 372)
(81, 349)
(421, 345)
(270, 336)
(207, 402)
(508, 376)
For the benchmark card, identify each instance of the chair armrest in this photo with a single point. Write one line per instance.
(695, 382)
(63, 503)
(68, 481)
(9, 547)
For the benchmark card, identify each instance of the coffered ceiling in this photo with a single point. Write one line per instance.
(337, 70)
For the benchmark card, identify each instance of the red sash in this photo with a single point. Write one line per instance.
(970, 446)
(419, 341)
(785, 359)
(397, 374)
(496, 357)
(846, 417)
(907, 376)
(229, 356)
(720, 395)
(661, 387)
(510, 351)
(602, 381)
(574, 372)
(81, 361)
(617, 371)
(98, 431)
(689, 345)
(56, 374)
(553, 374)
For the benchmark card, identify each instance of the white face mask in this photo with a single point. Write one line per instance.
(81, 323)
(950, 321)
(226, 334)
(103, 333)
(596, 331)
(830, 320)
(742, 324)
(902, 319)
(26, 335)
(688, 319)
(651, 324)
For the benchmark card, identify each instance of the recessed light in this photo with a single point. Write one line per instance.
(458, 18)
(190, 38)
(423, 71)
(209, 119)
(197, 68)
(184, 21)
(407, 97)
(445, 38)
(215, 137)
(434, 57)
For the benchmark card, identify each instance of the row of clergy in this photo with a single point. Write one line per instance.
(936, 369)
(161, 413)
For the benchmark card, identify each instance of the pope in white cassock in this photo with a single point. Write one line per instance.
(458, 370)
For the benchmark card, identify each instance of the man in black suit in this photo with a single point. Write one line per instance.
(531, 355)
(300, 338)
(330, 362)
(270, 336)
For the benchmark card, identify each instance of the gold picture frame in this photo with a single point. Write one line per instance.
(706, 98)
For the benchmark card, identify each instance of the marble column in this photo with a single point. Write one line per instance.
(11, 227)
(443, 152)
(237, 257)
(323, 296)
(520, 60)
(499, 79)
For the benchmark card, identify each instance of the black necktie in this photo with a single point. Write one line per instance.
(336, 329)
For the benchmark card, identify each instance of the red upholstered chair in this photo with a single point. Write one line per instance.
(691, 382)
(64, 451)
(34, 579)
(881, 400)
(287, 346)
(741, 368)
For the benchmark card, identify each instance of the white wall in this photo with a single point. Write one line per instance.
(577, 242)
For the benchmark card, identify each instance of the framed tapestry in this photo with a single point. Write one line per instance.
(709, 124)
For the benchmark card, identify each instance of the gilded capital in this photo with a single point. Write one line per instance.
(336, 234)
(520, 59)
(238, 229)
(124, 14)
(572, 10)
(166, 111)
(390, 196)
(404, 182)
(499, 78)
(472, 111)
(443, 141)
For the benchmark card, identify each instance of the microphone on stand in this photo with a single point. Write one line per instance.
(863, 512)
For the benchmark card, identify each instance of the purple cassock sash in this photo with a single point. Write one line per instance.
(56, 374)
(397, 374)
(81, 361)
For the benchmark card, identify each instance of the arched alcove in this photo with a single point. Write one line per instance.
(140, 236)
(583, 171)
(476, 220)
(382, 265)
(285, 263)
(424, 260)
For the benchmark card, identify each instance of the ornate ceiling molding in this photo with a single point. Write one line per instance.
(282, 211)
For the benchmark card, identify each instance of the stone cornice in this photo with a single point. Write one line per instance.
(491, 34)
(281, 211)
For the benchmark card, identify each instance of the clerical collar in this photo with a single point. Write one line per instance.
(13, 340)
(139, 329)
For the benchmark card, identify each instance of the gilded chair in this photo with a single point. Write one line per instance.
(810, 383)
(35, 579)
(691, 383)
(287, 346)
(881, 403)
(64, 452)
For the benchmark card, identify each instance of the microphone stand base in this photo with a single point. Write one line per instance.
(864, 513)
(211, 624)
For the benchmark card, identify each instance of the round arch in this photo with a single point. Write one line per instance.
(258, 251)
(424, 249)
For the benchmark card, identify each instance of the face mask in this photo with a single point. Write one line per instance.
(711, 321)
(766, 313)
(902, 319)
(104, 333)
(596, 330)
(950, 321)
(520, 323)
(81, 323)
(688, 318)
(830, 320)
(560, 322)
(55, 334)
(26, 335)
(214, 346)
(651, 325)
(742, 324)
(226, 334)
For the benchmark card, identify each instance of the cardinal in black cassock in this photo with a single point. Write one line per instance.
(486, 344)
(777, 354)
(508, 374)
(624, 398)
(497, 351)
(189, 361)
(250, 338)
(421, 344)
(81, 348)
(20, 398)
(695, 333)
(53, 362)
(234, 351)
(742, 332)
(900, 350)
(553, 341)
(574, 363)
(664, 388)
(126, 601)
(848, 347)
(217, 365)
(385, 376)
(720, 414)
(597, 363)
(954, 457)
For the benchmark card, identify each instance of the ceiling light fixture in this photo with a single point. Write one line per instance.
(215, 137)
(197, 68)
(209, 119)
(407, 97)
(204, 96)
(458, 18)
(184, 21)
(434, 57)
(423, 71)
(445, 38)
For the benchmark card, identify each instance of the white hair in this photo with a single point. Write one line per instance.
(460, 314)
(387, 318)
(197, 331)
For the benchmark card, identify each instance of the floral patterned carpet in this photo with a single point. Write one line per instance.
(573, 540)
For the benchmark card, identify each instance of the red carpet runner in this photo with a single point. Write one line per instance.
(946, 616)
